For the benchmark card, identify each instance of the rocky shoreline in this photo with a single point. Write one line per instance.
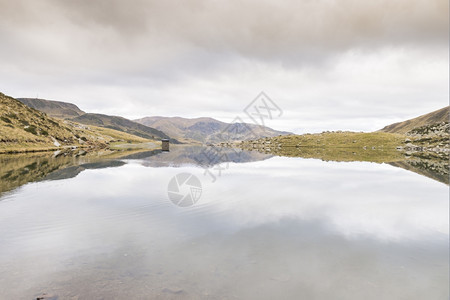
(433, 139)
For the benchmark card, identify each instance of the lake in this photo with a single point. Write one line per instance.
(172, 225)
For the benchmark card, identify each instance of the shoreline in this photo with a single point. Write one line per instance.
(114, 147)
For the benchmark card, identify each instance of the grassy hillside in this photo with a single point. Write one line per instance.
(25, 129)
(336, 146)
(426, 138)
(207, 130)
(120, 124)
(438, 116)
(334, 140)
(69, 111)
(20, 124)
(429, 133)
(56, 109)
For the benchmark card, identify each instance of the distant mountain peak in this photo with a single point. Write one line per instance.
(207, 129)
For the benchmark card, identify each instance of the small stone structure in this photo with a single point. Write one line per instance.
(165, 144)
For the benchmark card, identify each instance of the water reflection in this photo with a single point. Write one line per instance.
(200, 156)
(70, 172)
(271, 228)
(435, 166)
(19, 169)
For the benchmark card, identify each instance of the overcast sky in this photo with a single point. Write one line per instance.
(329, 65)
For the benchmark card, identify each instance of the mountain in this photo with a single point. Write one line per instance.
(207, 130)
(438, 116)
(121, 124)
(23, 128)
(69, 111)
(22, 125)
(56, 109)
(199, 130)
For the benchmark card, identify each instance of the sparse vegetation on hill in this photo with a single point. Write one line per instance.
(337, 146)
(432, 136)
(69, 111)
(359, 140)
(435, 117)
(25, 129)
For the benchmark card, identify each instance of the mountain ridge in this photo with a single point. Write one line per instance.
(207, 129)
(434, 117)
(201, 130)
(121, 124)
(70, 111)
(53, 108)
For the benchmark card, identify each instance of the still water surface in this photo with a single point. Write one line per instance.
(267, 228)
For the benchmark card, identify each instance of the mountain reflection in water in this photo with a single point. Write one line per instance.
(102, 227)
(19, 169)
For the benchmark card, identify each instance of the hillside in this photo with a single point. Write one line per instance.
(56, 109)
(69, 111)
(329, 143)
(207, 130)
(25, 129)
(121, 124)
(428, 142)
(438, 116)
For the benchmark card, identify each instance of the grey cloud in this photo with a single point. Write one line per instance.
(263, 29)
(210, 57)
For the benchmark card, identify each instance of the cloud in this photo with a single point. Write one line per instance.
(142, 32)
(200, 57)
